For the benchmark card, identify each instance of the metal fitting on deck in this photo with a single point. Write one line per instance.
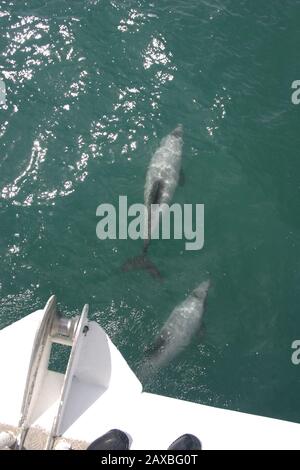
(63, 329)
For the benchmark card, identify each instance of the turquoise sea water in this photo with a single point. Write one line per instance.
(92, 87)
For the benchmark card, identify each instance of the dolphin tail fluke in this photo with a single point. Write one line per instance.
(142, 262)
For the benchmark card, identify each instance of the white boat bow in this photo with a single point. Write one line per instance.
(44, 409)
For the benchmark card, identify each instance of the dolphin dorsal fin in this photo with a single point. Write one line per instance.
(156, 192)
(157, 346)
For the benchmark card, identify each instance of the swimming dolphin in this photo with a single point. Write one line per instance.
(161, 180)
(178, 331)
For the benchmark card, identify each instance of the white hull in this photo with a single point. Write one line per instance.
(100, 392)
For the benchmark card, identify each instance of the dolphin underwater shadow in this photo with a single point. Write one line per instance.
(162, 178)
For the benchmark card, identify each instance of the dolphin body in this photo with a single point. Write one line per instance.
(162, 177)
(178, 331)
(161, 181)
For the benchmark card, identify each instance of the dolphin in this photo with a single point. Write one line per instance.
(161, 181)
(178, 331)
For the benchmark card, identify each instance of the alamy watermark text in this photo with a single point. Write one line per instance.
(138, 222)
